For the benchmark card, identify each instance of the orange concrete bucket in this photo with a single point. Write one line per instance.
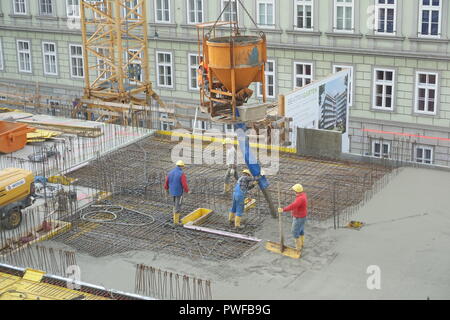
(249, 54)
(13, 136)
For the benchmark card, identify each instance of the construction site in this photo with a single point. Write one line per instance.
(88, 207)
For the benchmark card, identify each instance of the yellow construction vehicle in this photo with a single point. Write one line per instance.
(16, 193)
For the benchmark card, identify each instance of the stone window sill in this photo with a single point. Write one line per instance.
(267, 30)
(50, 18)
(304, 33)
(20, 16)
(430, 40)
(384, 37)
(162, 24)
(344, 35)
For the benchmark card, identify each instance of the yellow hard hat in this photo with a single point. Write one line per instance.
(180, 163)
(227, 141)
(246, 171)
(298, 188)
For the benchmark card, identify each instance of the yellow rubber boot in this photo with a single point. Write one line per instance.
(231, 217)
(176, 218)
(226, 188)
(303, 240)
(298, 243)
(237, 222)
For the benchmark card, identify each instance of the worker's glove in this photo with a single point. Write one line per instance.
(190, 192)
(280, 210)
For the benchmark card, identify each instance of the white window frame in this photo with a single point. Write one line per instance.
(101, 63)
(70, 5)
(303, 3)
(196, 12)
(22, 3)
(228, 130)
(222, 6)
(382, 154)
(52, 6)
(190, 74)
(76, 57)
(102, 7)
(430, 8)
(2, 65)
(267, 75)
(384, 83)
(163, 124)
(304, 77)
(385, 7)
(423, 160)
(135, 62)
(199, 125)
(50, 54)
(266, 3)
(165, 65)
(344, 5)
(427, 87)
(344, 67)
(21, 52)
(133, 16)
(162, 9)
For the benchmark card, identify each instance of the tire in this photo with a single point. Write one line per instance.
(12, 220)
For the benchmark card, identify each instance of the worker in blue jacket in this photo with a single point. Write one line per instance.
(245, 183)
(176, 184)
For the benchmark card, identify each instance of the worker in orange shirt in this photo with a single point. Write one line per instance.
(299, 210)
(202, 75)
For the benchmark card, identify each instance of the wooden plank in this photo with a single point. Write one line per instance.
(222, 233)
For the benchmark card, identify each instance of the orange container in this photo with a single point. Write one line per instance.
(247, 53)
(13, 136)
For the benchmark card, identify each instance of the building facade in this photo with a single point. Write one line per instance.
(398, 52)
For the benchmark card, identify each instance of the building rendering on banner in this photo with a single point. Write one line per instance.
(397, 52)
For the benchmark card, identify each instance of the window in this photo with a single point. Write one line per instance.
(386, 16)
(426, 92)
(381, 149)
(303, 74)
(343, 17)
(76, 61)
(337, 69)
(304, 14)
(24, 56)
(132, 10)
(384, 89)
(193, 71)
(134, 66)
(103, 7)
(20, 6)
(103, 68)
(423, 154)
(194, 11)
(1, 55)
(46, 7)
(162, 10)
(199, 125)
(230, 13)
(73, 8)
(164, 125)
(430, 18)
(50, 59)
(228, 128)
(266, 13)
(270, 80)
(164, 67)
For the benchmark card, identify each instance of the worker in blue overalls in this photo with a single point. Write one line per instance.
(245, 183)
(176, 183)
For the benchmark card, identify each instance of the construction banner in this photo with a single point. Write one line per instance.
(322, 105)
